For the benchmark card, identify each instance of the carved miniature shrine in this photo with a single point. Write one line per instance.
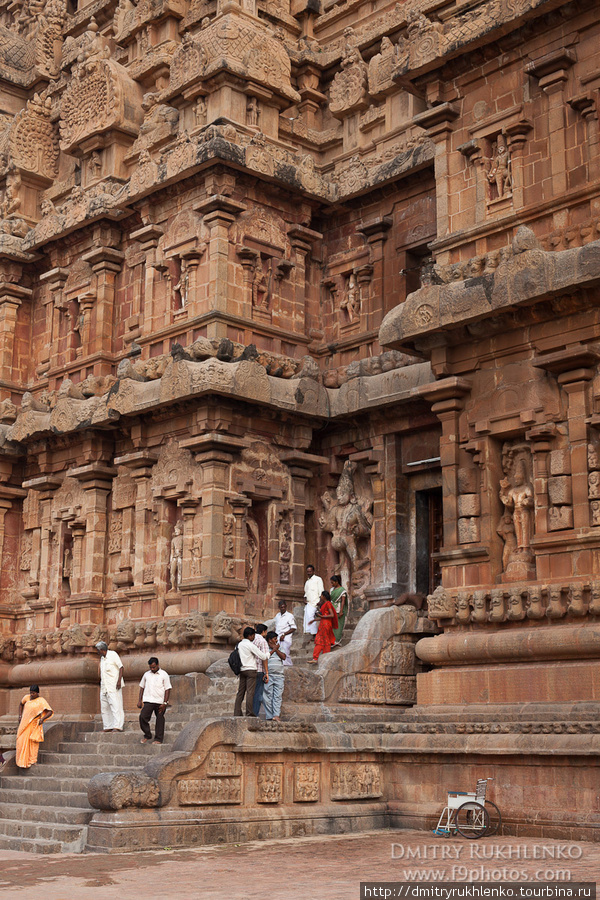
(295, 282)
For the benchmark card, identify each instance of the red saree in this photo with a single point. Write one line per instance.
(325, 637)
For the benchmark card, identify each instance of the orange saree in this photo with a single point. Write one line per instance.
(31, 731)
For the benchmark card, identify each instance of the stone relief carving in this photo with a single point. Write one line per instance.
(516, 493)
(348, 518)
(269, 783)
(285, 549)
(176, 557)
(349, 88)
(307, 778)
(252, 555)
(355, 781)
(201, 791)
(498, 170)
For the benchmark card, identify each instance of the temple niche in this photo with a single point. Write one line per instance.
(516, 526)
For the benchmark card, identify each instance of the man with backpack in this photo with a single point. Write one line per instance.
(249, 653)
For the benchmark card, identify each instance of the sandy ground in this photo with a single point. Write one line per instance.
(300, 868)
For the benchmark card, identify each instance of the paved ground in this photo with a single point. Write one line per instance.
(299, 869)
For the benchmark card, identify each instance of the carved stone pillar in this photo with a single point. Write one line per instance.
(106, 263)
(219, 213)
(46, 485)
(78, 529)
(139, 463)
(438, 123)
(540, 439)
(517, 137)
(189, 509)
(375, 233)
(575, 368)
(447, 397)
(96, 481)
(11, 297)
(552, 74)
(586, 106)
(302, 240)
(302, 467)
(143, 294)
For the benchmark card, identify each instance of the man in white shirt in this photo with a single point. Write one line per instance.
(249, 654)
(313, 588)
(155, 690)
(285, 626)
(111, 688)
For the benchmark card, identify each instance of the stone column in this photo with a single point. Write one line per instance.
(140, 463)
(46, 485)
(540, 439)
(96, 481)
(188, 512)
(516, 138)
(54, 280)
(552, 74)
(78, 529)
(219, 213)
(106, 263)
(586, 106)
(447, 397)
(438, 122)
(375, 232)
(302, 240)
(11, 297)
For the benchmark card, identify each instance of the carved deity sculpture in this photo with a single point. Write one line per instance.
(351, 299)
(176, 556)
(516, 493)
(182, 287)
(348, 518)
(499, 171)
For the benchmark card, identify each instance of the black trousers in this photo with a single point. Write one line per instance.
(146, 715)
(246, 686)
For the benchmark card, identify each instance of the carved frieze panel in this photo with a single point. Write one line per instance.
(307, 780)
(33, 142)
(222, 762)
(269, 783)
(363, 688)
(174, 473)
(209, 791)
(349, 91)
(355, 781)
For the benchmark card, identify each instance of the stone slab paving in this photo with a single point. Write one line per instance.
(298, 868)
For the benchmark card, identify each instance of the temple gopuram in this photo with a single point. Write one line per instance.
(290, 282)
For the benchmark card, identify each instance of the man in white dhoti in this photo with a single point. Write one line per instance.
(313, 588)
(285, 626)
(111, 688)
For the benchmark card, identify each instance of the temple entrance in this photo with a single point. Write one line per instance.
(429, 538)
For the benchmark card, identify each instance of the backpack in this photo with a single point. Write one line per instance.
(235, 662)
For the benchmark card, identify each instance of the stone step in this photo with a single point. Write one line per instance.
(34, 845)
(94, 761)
(19, 828)
(63, 771)
(45, 783)
(68, 815)
(45, 798)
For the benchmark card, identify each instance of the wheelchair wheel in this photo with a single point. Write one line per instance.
(472, 820)
(495, 817)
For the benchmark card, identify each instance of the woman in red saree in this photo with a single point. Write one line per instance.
(328, 620)
(33, 712)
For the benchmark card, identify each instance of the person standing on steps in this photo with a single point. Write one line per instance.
(285, 626)
(326, 617)
(155, 690)
(249, 653)
(33, 712)
(262, 668)
(313, 588)
(339, 601)
(111, 688)
(274, 688)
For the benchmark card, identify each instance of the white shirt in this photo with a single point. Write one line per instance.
(284, 623)
(109, 671)
(155, 684)
(313, 588)
(249, 653)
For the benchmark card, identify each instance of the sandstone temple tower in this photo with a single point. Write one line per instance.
(292, 281)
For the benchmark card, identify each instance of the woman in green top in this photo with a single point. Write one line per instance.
(339, 599)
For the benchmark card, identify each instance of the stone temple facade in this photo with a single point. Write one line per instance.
(289, 281)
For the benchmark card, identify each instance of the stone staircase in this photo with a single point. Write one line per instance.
(46, 810)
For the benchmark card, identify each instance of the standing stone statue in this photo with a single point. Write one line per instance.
(348, 518)
(516, 493)
(499, 171)
(176, 557)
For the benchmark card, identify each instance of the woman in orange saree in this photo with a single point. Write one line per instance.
(33, 712)
(328, 620)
